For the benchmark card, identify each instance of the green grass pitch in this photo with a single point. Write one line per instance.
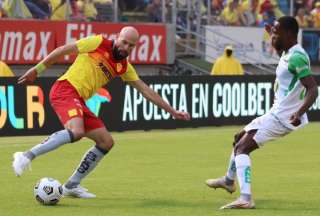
(162, 172)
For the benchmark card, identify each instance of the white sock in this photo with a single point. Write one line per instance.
(54, 141)
(231, 172)
(243, 166)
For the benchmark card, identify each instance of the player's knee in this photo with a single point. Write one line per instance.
(241, 148)
(109, 143)
(106, 143)
(78, 133)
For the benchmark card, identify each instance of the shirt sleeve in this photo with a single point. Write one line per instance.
(130, 74)
(89, 44)
(299, 65)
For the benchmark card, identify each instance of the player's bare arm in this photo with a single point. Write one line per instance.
(151, 95)
(52, 58)
(311, 95)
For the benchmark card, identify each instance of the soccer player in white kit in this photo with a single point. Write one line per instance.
(295, 91)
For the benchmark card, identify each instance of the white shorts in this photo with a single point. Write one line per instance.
(268, 128)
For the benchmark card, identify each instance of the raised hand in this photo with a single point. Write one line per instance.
(28, 77)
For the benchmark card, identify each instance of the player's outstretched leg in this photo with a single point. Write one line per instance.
(90, 160)
(245, 201)
(22, 160)
(243, 166)
(226, 182)
(87, 164)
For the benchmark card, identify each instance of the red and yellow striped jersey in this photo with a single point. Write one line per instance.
(95, 66)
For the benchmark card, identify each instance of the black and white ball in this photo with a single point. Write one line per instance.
(48, 191)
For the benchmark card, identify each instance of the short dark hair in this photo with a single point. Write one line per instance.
(289, 24)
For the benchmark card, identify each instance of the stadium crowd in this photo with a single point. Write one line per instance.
(222, 12)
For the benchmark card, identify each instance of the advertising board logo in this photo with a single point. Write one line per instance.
(94, 103)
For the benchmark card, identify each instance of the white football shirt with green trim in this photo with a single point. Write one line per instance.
(289, 92)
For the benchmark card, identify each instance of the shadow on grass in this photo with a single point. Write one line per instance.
(161, 203)
(133, 203)
(263, 206)
(284, 205)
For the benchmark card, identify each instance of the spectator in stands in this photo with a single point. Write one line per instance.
(2, 11)
(16, 9)
(60, 10)
(65, 10)
(182, 20)
(266, 6)
(40, 9)
(302, 18)
(315, 16)
(250, 12)
(277, 12)
(265, 20)
(105, 10)
(87, 9)
(309, 5)
(231, 15)
(154, 11)
(267, 11)
(297, 5)
(5, 70)
(227, 64)
(216, 7)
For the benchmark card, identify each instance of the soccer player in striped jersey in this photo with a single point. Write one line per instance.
(99, 60)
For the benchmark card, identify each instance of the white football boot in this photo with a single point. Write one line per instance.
(77, 192)
(221, 183)
(239, 204)
(20, 163)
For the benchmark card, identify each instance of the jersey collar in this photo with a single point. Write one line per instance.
(294, 47)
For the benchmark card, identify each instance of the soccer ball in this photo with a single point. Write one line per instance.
(48, 191)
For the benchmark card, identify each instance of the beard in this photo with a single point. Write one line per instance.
(277, 44)
(118, 54)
